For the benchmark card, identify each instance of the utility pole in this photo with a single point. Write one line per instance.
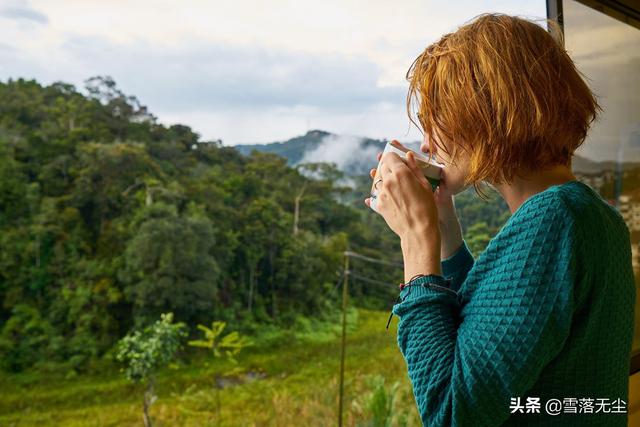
(344, 333)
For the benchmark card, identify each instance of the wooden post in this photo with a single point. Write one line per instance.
(344, 333)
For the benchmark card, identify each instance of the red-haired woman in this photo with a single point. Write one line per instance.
(542, 321)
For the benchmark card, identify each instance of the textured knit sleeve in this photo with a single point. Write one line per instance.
(456, 267)
(466, 362)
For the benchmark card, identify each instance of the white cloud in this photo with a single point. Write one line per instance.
(240, 70)
(21, 11)
(281, 123)
(220, 76)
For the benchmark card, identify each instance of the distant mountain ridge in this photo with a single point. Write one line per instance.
(294, 151)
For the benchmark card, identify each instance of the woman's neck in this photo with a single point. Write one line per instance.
(520, 189)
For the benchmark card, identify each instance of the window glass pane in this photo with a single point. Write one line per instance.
(606, 51)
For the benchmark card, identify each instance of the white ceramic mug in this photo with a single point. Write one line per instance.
(431, 169)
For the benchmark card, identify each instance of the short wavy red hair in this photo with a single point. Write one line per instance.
(504, 90)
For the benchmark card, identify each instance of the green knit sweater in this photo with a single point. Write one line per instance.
(545, 312)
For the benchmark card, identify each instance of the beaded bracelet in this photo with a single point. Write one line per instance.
(410, 283)
(402, 286)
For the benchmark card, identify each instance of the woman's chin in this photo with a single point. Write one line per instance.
(443, 180)
(452, 188)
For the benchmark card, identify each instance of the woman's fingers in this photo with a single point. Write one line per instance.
(400, 145)
(411, 162)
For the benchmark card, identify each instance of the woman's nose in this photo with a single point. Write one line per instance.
(424, 147)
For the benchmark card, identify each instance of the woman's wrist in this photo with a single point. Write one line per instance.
(450, 247)
(421, 253)
(451, 237)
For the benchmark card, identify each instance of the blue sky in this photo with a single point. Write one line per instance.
(242, 71)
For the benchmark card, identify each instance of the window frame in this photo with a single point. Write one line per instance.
(628, 13)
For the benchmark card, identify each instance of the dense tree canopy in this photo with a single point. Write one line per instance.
(109, 218)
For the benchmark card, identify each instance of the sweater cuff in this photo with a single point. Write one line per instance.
(435, 291)
(461, 260)
(417, 290)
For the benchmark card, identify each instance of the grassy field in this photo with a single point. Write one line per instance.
(286, 381)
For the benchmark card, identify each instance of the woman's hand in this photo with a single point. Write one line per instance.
(406, 202)
(405, 198)
(450, 228)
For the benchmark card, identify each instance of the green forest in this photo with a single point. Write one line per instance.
(109, 219)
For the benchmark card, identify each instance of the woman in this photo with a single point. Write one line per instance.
(542, 321)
